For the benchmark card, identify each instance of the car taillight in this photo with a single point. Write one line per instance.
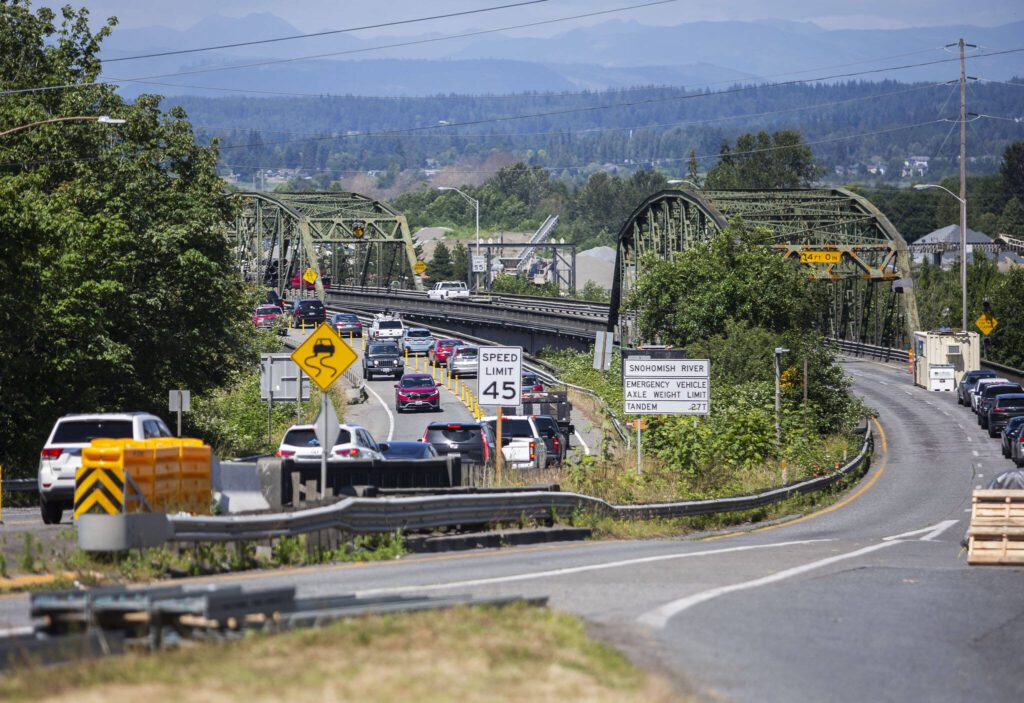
(51, 452)
(347, 452)
(487, 449)
(533, 451)
(558, 443)
(284, 452)
(425, 433)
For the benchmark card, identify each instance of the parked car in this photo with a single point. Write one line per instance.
(308, 312)
(473, 440)
(532, 383)
(354, 442)
(1017, 450)
(554, 441)
(407, 450)
(266, 317)
(61, 456)
(521, 442)
(417, 391)
(382, 359)
(463, 361)
(988, 397)
(979, 386)
(1011, 433)
(417, 340)
(1003, 407)
(967, 383)
(438, 353)
(387, 327)
(447, 290)
(347, 324)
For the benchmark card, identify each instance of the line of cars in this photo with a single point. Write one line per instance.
(998, 404)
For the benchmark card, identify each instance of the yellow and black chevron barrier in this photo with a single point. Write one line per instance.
(99, 489)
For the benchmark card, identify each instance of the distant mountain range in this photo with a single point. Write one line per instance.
(613, 54)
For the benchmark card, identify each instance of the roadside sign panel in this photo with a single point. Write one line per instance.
(309, 276)
(324, 356)
(811, 256)
(419, 267)
(500, 375)
(603, 350)
(179, 400)
(658, 384)
(280, 375)
(479, 263)
(986, 323)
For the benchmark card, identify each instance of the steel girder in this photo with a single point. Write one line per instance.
(280, 234)
(838, 235)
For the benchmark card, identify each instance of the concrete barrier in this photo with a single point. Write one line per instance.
(237, 487)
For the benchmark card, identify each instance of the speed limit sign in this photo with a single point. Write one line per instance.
(500, 375)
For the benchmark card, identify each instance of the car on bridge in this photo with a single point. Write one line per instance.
(967, 383)
(1011, 433)
(408, 450)
(417, 391)
(61, 456)
(1004, 407)
(347, 324)
(267, 317)
(463, 361)
(354, 442)
(442, 348)
(417, 340)
(387, 327)
(448, 290)
(382, 359)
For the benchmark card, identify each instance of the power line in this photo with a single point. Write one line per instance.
(325, 33)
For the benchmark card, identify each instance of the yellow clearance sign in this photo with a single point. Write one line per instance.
(324, 356)
(820, 257)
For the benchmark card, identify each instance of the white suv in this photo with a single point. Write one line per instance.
(387, 327)
(354, 442)
(446, 290)
(62, 455)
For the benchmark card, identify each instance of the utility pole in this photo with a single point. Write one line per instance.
(963, 188)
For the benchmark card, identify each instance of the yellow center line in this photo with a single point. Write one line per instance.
(836, 506)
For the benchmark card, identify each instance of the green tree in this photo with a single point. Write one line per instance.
(779, 160)
(460, 262)
(732, 277)
(440, 266)
(1012, 220)
(114, 238)
(1012, 170)
(1007, 300)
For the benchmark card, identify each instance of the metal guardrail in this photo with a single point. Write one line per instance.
(378, 515)
(19, 485)
(870, 350)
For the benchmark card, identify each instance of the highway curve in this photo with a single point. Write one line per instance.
(869, 600)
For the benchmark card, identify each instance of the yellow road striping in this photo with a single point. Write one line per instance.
(845, 501)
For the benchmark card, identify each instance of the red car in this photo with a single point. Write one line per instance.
(296, 282)
(265, 316)
(417, 391)
(441, 350)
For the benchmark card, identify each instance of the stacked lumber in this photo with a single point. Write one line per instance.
(996, 534)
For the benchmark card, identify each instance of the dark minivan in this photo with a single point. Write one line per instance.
(1004, 407)
(988, 398)
(473, 440)
(308, 312)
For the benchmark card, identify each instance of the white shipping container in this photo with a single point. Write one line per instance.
(961, 350)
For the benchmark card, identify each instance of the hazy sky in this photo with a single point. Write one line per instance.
(314, 15)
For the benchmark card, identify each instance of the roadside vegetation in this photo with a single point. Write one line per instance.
(513, 653)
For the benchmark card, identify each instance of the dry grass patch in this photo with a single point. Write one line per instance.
(466, 654)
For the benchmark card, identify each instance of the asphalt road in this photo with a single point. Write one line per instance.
(868, 600)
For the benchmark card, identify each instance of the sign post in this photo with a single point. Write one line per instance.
(180, 401)
(664, 382)
(324, 356)
(499, 382)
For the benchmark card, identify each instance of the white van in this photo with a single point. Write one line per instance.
(446, 290)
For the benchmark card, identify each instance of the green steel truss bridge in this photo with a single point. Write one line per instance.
(347, 237)
(845, 243)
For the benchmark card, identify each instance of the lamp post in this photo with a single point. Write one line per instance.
(476, 206)
(102, 119)
(779, 351)
(963, 248)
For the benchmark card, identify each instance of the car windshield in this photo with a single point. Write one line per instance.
(513, 428)
(85, 431)
(1010, 403)
(307, 437)
(546, 425)
(410, 450)
(311, 305)
(448, 343)
(345, 317)
(467, 352)
(382, 349)
(269, 310)
(992, 391)
(418, 334)
(389, 325)
(460, 434)
(1015, 423)
(417, 382)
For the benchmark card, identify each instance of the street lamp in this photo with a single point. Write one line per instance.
(779, 351)
(476, 206)
(963, 247)
(102, 119)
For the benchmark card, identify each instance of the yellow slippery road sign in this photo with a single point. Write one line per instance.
(986, 323)
(420, 267)
(324, 356)
(309, 276)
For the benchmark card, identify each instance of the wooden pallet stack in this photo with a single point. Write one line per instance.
(996, 534)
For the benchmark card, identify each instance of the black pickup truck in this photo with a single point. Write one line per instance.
(553, 403)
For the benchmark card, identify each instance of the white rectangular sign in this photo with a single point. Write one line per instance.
(479, 263)
(666, 386)
(179, 400)
(500, 375)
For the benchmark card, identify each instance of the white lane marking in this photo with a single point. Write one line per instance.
(391, 417)
(883, 382)
(969, 438)
(586, 449)
(932, 531)
(944, 412)
(908, 392)
(659, 617)
(581, 569)
(974, 452)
